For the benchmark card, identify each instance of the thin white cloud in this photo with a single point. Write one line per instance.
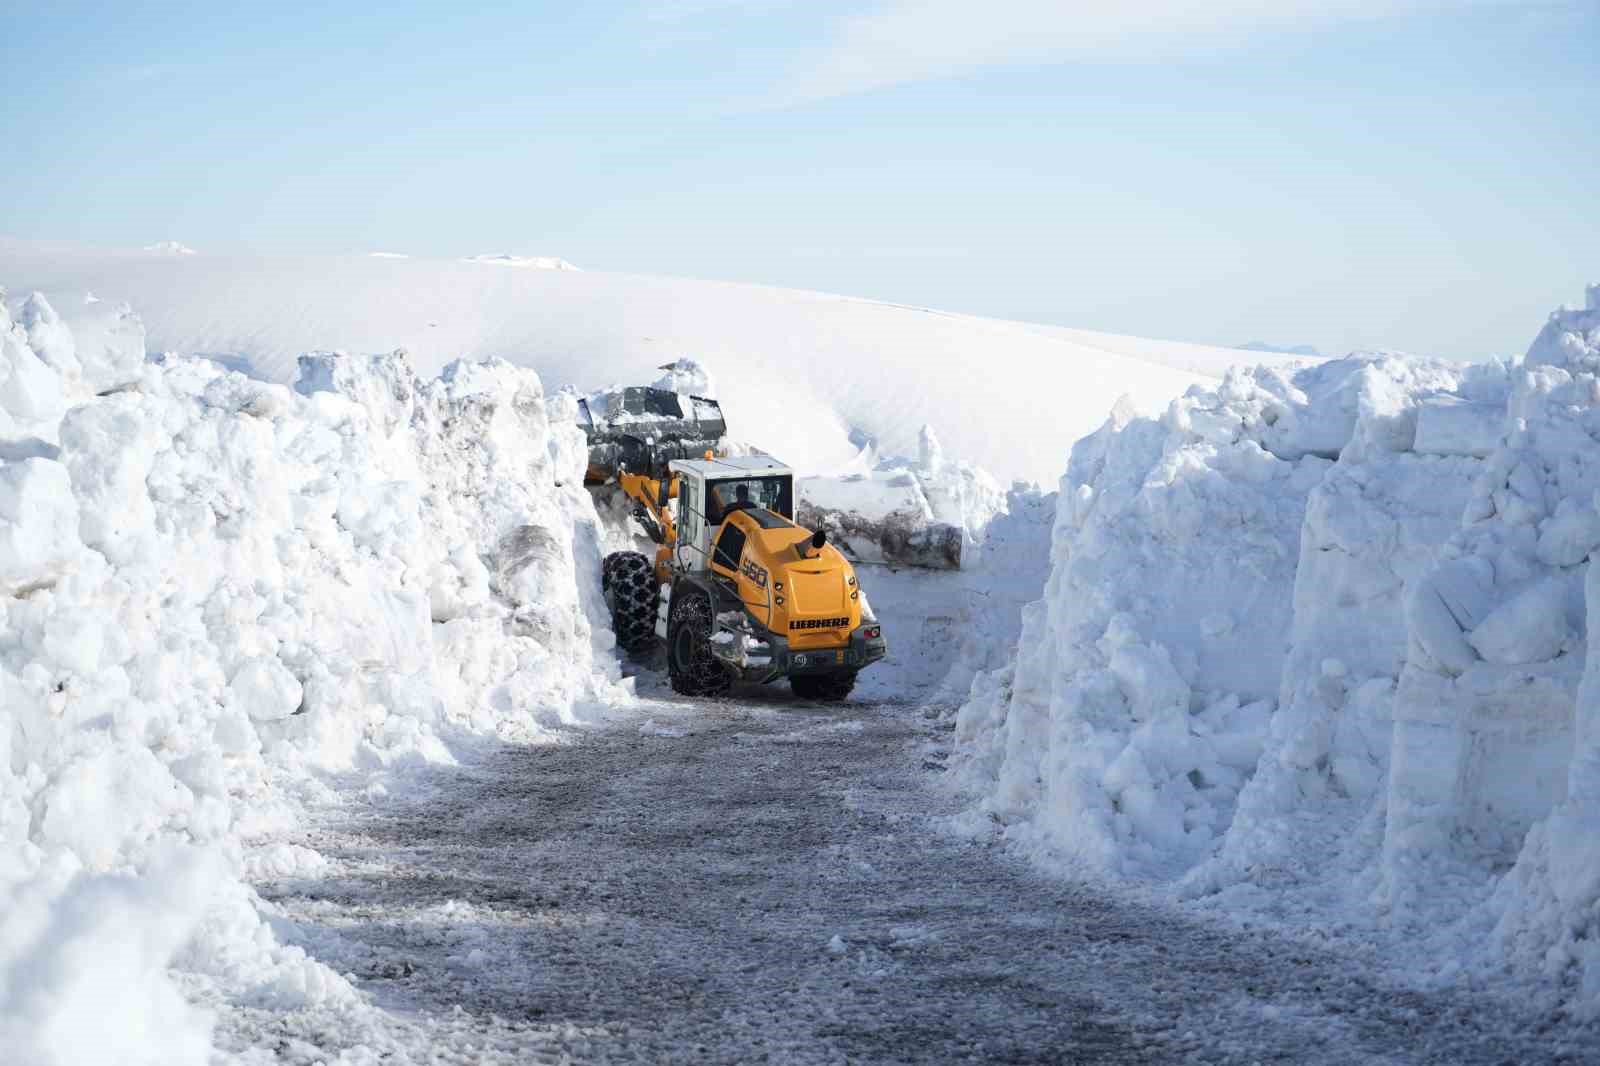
(915, 40)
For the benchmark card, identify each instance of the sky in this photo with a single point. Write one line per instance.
(1351, 174)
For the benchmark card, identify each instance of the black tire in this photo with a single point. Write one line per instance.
(629, 582)
(829, 688)
(694, 671)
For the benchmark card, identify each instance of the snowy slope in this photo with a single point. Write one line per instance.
(799, 371)
(1317, 645)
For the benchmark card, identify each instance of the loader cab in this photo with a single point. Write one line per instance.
(711, 489)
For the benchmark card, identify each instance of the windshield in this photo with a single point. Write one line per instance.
(776, 494)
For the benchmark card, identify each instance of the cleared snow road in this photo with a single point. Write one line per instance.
(671, 893)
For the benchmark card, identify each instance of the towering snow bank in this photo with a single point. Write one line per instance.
(1497, 749)
(1139, 702)
(1144, 680)
(1375, 526)
(212, 588)
(1318, 644)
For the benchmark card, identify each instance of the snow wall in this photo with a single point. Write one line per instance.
(216, 592)
(1314, 645)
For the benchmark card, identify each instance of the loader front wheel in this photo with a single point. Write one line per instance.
(694, 671)
(829, 688)
(629, 583)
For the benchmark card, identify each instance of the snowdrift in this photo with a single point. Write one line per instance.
(218, 591)
(814, 377)
(1314, 644)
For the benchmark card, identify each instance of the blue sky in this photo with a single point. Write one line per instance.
(1346, 173)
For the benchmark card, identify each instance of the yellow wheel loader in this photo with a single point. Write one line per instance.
(736, 590)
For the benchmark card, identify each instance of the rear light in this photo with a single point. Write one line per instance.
(872, 632)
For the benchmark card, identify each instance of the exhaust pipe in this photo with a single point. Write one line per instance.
(815, 544)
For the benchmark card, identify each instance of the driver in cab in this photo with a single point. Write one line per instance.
(741, 498)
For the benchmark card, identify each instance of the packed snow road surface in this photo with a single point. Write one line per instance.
(764, 880)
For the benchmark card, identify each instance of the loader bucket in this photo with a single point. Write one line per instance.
(642, 429)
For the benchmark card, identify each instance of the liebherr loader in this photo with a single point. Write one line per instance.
(737, 590)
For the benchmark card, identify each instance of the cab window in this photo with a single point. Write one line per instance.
(688, 512)
(775, 494)
(730, 546)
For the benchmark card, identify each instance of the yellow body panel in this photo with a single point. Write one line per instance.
(811, 598)
(804, 594)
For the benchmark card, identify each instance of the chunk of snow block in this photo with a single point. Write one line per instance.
(1529, 628)
(1567, 538)
(48, 336)
(38, 523)
(1448, 425)
(384, 384)
(686, 377)
(265, 690)
(30, 390)
(100, 806)
(1444, 605)
(109, 448)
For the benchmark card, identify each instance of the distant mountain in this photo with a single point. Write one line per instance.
(1263, 346)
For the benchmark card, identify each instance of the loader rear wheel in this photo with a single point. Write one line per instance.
(829, 688)
(693, 669)
(629, 583)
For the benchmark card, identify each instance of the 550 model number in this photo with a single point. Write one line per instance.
(755, 572)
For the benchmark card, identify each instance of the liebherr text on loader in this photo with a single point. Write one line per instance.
(737, 590)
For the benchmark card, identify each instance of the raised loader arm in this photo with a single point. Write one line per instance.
(633, 435)
(652, 507)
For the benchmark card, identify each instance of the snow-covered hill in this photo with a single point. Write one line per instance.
(802, 372)
(1320, 644)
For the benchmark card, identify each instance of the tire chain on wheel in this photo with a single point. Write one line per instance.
(704, 674)
(631, 590)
